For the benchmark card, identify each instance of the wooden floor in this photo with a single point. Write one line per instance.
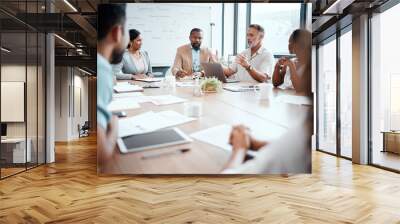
(70, 191)
(386, 159)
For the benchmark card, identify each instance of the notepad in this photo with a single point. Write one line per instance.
(149, 79)
(166, 99)
(121, 104)
(236, 88)
(150, 121)
(299, 100)
(128, 94)
(123, 88)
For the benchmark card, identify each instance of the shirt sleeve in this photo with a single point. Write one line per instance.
(266, 66)
(117, 71)
(103, 115)
(233, 66)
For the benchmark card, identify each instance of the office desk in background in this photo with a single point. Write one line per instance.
(218, 108)
(13, 151)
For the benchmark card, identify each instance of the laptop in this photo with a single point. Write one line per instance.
(215, 70)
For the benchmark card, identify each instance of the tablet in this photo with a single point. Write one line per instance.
(152, 140)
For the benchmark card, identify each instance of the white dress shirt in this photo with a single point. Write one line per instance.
(261, 61)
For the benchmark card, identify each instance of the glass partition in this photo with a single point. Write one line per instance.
(327, 96)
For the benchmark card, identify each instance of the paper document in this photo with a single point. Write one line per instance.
(166, 99)
(126, 87)
(300, 100)
(129, 94)
(149, 79)
(150, 121)
(236, 88)
(219, 135)
(125, 103)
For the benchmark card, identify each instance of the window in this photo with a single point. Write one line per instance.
(385, 87)
(228, 28)
(241, 27)
(22, 76)
(279, 20)
(327, 96)
(346, 94)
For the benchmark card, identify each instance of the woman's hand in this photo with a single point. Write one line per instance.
(288, 62)
(240, 137)
(140, 76)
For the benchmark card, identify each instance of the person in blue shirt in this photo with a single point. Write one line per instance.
(112, 40)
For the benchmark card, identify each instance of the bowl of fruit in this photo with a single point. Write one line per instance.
(211, 85)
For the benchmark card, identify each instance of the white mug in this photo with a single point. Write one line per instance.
(265, 91)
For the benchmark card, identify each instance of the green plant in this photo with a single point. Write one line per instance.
(211, 85)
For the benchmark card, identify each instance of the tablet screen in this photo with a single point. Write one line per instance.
(153, 139)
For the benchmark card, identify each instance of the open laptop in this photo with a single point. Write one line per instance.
(215, 70)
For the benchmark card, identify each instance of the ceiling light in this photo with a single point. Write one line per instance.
(84, 71)
(5, 50)
(337, 7)
(64, 40)
(70, 5)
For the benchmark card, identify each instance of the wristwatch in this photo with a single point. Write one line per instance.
(249, 68)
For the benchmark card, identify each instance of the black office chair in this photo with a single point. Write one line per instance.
(84, 130)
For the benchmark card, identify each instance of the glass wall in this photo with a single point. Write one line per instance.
(228, 29)
(22, 90)
(385, 89)
(279, 20)
(242, 27)
(326, 102)
(346, 93)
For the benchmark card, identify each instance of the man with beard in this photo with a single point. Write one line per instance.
(189, 57)
(255, 63)
(112, 39)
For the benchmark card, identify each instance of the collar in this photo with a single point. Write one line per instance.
(191, 47)
(259, 51)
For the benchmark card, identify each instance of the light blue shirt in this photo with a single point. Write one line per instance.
(196, 60)
(104, 90)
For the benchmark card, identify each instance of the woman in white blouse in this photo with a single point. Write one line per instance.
(135, 62)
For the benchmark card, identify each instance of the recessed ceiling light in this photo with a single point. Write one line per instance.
(70, 5)
(5, 50)
(86, 72)
(64, 40)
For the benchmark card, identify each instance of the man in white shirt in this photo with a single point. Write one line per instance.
(255, 63)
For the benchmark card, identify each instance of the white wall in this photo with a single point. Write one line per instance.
(33, 127)
(71, 94)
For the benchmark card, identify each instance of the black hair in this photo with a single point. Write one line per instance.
(195, 30)
(108, 16)
(133, 34)
(259, 28)
(300, 36)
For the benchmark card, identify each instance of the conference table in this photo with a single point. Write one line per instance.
(224, 107)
